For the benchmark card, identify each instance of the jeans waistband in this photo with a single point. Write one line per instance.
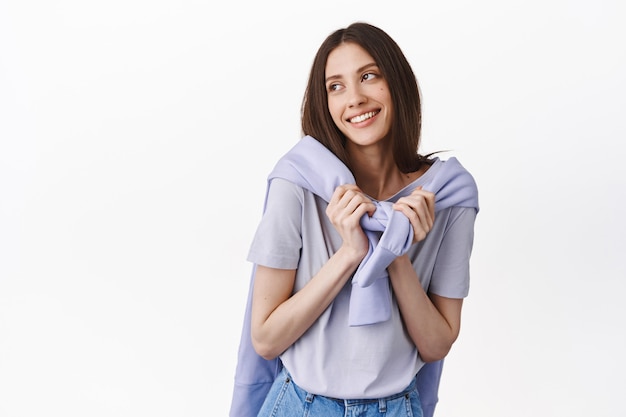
(348, 402)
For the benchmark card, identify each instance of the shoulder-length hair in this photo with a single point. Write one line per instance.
(405, 95)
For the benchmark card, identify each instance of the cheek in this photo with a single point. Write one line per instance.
(335, 111)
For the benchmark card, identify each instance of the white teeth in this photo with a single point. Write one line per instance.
(362, 117)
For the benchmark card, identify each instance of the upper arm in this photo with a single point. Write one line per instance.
(272, 287)
(450, 309)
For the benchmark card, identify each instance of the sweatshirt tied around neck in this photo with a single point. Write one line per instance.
(312, 166)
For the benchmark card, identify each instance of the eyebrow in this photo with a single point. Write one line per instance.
(364, 67)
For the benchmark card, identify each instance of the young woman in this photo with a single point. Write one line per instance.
(362, 254)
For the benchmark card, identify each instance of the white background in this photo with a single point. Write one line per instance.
(135, 138)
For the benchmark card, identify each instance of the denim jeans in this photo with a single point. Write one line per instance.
(286, 399)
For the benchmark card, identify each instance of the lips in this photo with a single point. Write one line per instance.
(363, 117)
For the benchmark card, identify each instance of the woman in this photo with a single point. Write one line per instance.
(347, 314)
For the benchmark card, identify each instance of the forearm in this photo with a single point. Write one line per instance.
(275, 329)
(433, 326)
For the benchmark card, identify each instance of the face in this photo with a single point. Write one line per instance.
(359, 100)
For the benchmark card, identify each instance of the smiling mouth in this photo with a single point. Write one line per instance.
(363, 117)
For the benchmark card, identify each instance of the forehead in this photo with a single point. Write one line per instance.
(347, 58)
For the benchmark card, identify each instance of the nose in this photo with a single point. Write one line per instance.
(356, 97)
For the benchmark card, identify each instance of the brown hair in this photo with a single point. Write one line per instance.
(405, 95)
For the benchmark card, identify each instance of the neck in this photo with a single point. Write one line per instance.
(376, 172)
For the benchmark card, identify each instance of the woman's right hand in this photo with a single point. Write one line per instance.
(345, 209)
(281, 316)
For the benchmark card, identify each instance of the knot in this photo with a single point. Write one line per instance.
(378, 221)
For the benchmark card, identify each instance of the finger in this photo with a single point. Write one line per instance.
(341, 190)
(428, 197)
(358, 202)
(350, 201)
(417, 210)
(337, 194)
(419, 228)
(352, 191)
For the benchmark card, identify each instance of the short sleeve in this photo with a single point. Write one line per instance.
(278, 238)
(451, 273)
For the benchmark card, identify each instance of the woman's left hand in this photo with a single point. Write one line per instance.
(419, 207)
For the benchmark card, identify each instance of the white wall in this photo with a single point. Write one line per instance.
(135, 137)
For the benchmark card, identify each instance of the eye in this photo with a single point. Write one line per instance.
(369, 76)
(334, 87)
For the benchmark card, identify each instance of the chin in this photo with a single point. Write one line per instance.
(366, 140)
